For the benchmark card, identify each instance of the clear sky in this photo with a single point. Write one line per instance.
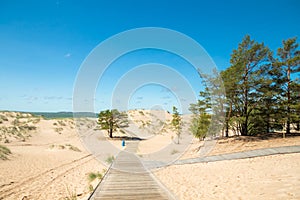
(43, 43)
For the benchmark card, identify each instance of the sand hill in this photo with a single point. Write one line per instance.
(45, 159)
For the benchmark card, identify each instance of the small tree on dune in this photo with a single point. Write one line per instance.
(111, 120)
(176, 123)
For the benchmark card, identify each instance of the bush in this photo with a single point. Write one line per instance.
(92, 176)
(110, 159)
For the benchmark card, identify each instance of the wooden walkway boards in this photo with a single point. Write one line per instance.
(242, 155)
(128, 179)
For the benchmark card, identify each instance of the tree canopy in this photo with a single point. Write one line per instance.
(176, 123)
(111, 120)
(262, 91)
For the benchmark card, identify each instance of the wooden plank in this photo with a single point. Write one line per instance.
(129, 180)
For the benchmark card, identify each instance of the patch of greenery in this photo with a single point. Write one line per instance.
(91, 188)
(110, 159)
(3, 118)
(71, 195)
(4, 152)
(92, 176)
(73, 148)
(174, 151)
(58, 130)
(62, 123)
(60, 115)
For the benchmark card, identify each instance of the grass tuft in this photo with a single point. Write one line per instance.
(110, 159)
(4, 152)
(174, 151)
(71, 195)
(92, 176)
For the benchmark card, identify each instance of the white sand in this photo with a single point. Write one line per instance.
(44, 167)
(271, 177)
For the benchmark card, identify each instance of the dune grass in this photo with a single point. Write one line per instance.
(4, 152)
(110, 159)
(92, 176)
(72, 195)
(73, 148)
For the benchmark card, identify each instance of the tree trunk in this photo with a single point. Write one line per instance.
(110, 133)
(244, 131)
(268, 122)
(227, 120)
(288, 123)
(227, 129)
(244, 128)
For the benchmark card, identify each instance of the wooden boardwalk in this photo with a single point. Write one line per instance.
(128, 179)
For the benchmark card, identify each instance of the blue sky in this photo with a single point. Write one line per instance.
(43, 43)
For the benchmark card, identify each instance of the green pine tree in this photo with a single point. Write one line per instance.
(176, 123)
(287, 64)
(111, 120)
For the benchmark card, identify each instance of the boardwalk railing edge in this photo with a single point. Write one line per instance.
(279, 150)
(169, 193)
(98, 185)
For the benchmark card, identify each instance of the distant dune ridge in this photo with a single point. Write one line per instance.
(42, 157)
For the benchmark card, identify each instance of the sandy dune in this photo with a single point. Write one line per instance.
(49, 161)
(50, 164)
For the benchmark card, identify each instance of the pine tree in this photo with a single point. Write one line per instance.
(246, 62)
(111, 120)
(201, 119)
(176, 123)
(287, 64)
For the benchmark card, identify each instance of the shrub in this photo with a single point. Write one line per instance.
(110, 159)
(91, 188)
(92, 176)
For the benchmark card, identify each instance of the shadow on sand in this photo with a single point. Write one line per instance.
(127, 138)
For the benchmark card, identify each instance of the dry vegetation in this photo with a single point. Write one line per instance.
(4, 152)
(17, 126)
